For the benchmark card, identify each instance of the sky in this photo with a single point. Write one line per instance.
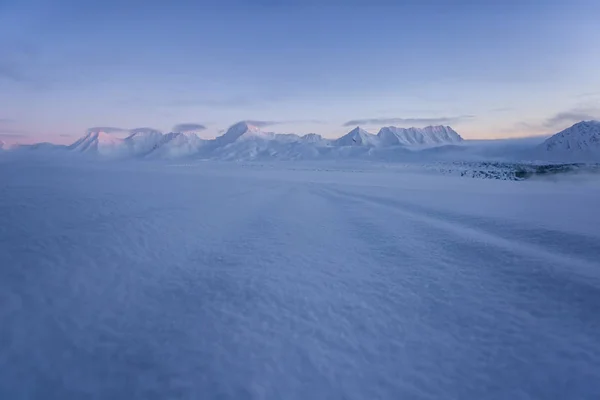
(489, 69)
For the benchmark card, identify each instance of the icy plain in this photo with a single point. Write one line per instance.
(294, 281)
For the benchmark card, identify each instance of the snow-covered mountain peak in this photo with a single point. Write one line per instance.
(239, 130)
(97, 141)
(580, 141)
(145, 132)
(100, 137)
(178, 144)
(311, 138)
(430, 135)
(581, 135)
(357, 137)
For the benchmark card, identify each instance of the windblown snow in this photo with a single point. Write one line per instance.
(293, 280)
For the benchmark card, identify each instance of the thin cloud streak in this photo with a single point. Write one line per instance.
(262, 124)
(107, 129)
(572, 116)
(12, 135)
(189, 127)
(408, 121)
(143, 130)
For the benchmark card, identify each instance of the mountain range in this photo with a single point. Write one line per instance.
(247, 141)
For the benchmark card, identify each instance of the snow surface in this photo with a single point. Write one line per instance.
(129, 280)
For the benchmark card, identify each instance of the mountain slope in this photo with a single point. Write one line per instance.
(580, 142)
(313, 138)
(241, 130)
(177, 145)
(357, 137)
(430, 135)
(99, 142)
(143, 141)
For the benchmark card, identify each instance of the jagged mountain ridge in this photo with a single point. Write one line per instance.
(430, 135)
(357, 137)
(245, 140)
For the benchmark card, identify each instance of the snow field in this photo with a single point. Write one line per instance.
(219, 280)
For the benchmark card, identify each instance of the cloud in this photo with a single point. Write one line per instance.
(587, 95)
(556, 122)
(107, 129)
(218, 103)
(408, 121)
(502, 109)
(12, 135)
(262, 124)
(253, 99)
(8, 131)
(188, 127)
(143, 130)
(19, 75)
(117, 130)
(306, 121)
(572, 116)
(11, 73)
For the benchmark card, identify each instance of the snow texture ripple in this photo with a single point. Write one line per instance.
(224, 281)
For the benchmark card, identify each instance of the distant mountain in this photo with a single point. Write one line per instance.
(99, 142)
(430, 135)
(312, 138)
(142, 141)
(247, 141)
(241, 130)
(177, 145)
(357, 137)
(580, 142)
(43, 146)
(145, 131)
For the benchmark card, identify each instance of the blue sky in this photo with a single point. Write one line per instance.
(488, 68)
